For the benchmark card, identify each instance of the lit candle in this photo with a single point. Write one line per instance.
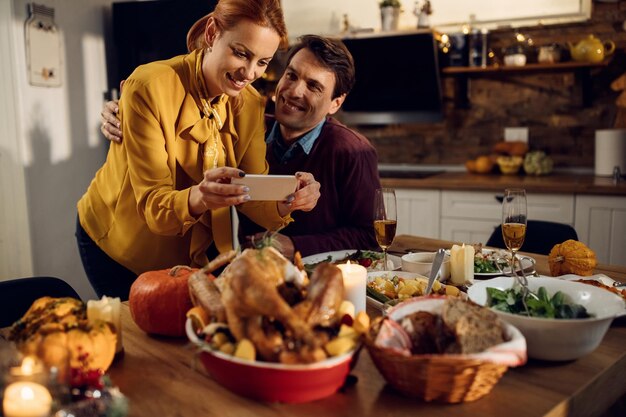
(107, 309)
(29, 367)
(462, 264)
(354, 284)
(26, 399)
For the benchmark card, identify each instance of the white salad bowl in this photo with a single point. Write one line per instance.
(559, 339)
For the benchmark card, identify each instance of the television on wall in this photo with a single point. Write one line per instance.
(146, 31)
(397, 80)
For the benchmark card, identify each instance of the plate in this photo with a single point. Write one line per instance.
(342, 254)
(602, 279)
(371, 302)
(527, 262)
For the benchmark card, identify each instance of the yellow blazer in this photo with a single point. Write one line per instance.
(136, 208)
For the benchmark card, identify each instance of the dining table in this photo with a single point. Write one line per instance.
(163, 377)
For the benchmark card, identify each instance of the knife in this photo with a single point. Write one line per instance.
(435, 269)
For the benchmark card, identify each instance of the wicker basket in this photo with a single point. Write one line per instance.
(439, 378)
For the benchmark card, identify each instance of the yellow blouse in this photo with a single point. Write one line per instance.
(136, 208)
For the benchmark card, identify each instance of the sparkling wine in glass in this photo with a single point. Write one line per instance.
(385, 220)
(514, 221)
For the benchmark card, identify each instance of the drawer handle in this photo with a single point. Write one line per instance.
(499, 198)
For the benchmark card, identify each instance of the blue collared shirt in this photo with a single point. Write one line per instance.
(284, 152)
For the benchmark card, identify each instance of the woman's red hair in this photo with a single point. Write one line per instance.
(228, 13)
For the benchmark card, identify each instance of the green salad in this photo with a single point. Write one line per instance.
(539, 304)
(485, 262)
(369, 259)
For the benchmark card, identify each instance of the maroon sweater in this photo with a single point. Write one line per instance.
(346, 166)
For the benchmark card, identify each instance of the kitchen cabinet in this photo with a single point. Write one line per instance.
(601, 224)
(418, 212)
(471, 216)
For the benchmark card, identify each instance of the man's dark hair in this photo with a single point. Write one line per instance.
(333, 54)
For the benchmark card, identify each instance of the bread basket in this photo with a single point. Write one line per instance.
(444, 378)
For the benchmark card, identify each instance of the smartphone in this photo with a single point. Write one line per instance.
(268, 187)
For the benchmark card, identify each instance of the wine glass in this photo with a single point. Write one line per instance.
(514, 231)
(514, 220)
(385, 218)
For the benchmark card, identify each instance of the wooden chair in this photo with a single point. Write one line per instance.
(17, 295)
(541, 236)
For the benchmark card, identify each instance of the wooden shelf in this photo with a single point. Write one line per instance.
(501, 69)
(582, 70)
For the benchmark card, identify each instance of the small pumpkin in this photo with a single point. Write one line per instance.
(572, 257)
(159, 300)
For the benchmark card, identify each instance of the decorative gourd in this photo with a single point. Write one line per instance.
(57, 331)
(159, 301)
(572, 257)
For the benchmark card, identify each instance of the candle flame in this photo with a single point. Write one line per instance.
(27, 393)
(28, 365)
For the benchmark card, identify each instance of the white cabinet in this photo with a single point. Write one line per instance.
(601, 225)
(471, 216)
(418, 212)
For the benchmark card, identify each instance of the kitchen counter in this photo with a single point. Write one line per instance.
(569, 183)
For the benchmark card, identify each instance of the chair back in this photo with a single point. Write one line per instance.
(17, 295)
(541, 236)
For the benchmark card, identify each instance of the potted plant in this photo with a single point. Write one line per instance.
(423, 11)
(390, 14)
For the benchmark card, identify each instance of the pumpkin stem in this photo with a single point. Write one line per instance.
(559, 258)
(174, 270)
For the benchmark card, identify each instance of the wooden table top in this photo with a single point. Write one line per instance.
(161, 378)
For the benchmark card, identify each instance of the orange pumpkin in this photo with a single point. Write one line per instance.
(572, 257)
(159, 301)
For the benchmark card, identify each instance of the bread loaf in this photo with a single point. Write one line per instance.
(476, 328)
(463, 327)
(422, 330)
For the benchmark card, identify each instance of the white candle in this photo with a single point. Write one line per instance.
(107, 309)
(462, 264)
(30, 366)
(354, 284)
(26, 399)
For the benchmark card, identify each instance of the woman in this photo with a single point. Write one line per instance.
(191, 124)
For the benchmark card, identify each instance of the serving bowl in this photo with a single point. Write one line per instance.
(273, 382)
(559, 339)
(422, 262)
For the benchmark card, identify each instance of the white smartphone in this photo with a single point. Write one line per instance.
(268, 187)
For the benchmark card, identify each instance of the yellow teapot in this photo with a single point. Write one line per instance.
(591, 49)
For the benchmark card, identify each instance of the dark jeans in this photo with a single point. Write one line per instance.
(106, 276)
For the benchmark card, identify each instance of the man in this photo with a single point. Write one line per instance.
(303, 136)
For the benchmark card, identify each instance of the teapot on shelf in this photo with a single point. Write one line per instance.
(591, 49)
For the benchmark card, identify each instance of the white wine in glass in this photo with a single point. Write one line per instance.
(385, 218)
(514, 221)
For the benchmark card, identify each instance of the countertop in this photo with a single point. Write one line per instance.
(560, 183)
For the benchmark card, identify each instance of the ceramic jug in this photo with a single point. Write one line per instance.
(591, 49)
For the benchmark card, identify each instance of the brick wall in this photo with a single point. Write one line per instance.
(548, 103)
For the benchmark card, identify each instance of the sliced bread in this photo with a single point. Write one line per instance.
(476, 328)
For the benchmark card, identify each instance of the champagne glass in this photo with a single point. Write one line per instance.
(514, 231)
(514, 221)
(385, 218)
